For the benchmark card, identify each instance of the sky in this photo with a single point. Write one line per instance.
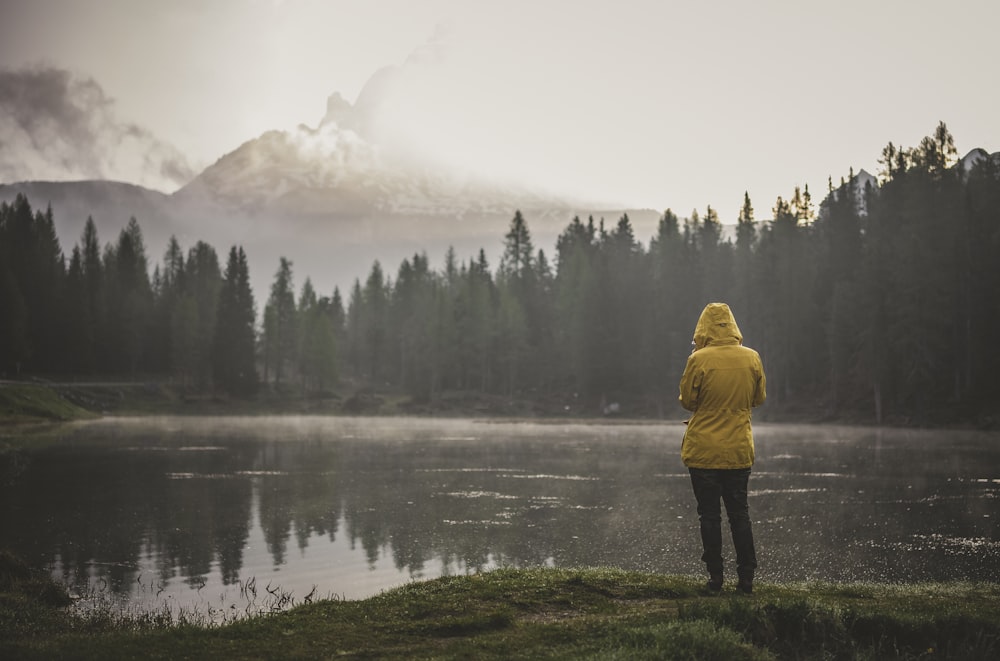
(650, 104)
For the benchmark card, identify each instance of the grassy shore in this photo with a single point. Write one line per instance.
(25, 402)
(56, 400)
(532, 614)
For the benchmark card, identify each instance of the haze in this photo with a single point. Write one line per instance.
(636, 103)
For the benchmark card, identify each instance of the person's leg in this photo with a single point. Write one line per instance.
(734, 495)
(708, 492)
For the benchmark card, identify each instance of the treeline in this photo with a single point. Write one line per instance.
(881, 304)
(100, 312)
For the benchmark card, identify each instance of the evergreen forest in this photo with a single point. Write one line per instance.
(879, 305)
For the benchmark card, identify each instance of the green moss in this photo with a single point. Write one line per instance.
(31, 603)
(31, 403)
(541, 613)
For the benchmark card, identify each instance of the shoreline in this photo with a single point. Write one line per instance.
(530, 613)
(36, 401)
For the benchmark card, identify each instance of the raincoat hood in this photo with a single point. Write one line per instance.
(716, 325)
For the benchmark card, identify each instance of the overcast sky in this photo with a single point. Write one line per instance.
(644, 103)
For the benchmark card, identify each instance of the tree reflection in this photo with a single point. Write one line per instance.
(838, 509)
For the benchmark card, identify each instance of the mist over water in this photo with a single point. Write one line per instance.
(191, 511)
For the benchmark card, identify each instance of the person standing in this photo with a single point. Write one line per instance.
(722, 382)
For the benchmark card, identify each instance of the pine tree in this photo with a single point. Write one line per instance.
(233, 354)
(279, 322)
(519, 278)
(481, 329)
(936, 153)
(622, 290)
(746, 232)
(420, 331)
(14, 346)
(338, 316)
(672, 296)
(837, 234)
(167, 288)
(744, 294)
(79, 342)
(203, 282)
(317, 342)
(979, 252)
(575, 291)
(354, 330)
(46, 302)
(184, 323)
(516, 262)
(324, 346)
(129, 299)
(34, 282)
(512, 339)
(374, 323)
(96, 356)
(888, 164)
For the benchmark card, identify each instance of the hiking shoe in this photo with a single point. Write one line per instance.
(714, 583)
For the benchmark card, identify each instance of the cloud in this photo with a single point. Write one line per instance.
(55, 125)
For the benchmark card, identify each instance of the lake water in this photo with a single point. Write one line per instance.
(205, 513)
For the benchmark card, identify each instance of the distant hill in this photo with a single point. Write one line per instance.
(277, 199)
(110, 203)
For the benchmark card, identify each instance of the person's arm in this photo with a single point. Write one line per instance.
(690, 385)
(760, 392)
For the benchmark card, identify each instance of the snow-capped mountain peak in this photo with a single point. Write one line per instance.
(338, 169)
(974, 158)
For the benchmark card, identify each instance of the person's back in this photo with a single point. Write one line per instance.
(722, 382)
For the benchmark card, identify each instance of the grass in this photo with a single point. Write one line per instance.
(32, 403)
(66, 400)
(533, 613)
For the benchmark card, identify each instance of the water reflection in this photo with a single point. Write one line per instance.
(190, 509)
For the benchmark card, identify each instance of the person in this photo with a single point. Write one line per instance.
(722, 382)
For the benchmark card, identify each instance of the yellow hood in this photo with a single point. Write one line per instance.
(716, 325)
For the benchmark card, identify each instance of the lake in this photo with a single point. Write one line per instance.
(221, 513)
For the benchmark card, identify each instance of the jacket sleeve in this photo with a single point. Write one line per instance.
(760, 392)
(690, 385)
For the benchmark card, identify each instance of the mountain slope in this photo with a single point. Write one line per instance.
(335, 173)
(109, 203)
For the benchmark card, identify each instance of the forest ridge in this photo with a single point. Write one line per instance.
(882, 305)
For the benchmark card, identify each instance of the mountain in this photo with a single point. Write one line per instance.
(336, 174)
(334, 202)
(332, 197)
(864, 180)
(859, 183)
(109, 203)
(975, 157)
(328, 198)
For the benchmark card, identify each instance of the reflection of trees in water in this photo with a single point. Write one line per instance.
(74, 505)
(427, 504)
(201, 513)
(436, 506)
(298, 489)
(515, 503)
(95, 511)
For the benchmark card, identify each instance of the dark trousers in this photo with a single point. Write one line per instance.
(711, 485)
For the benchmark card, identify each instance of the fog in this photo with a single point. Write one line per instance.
(187, 511)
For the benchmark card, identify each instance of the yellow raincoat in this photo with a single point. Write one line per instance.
(722, 381)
